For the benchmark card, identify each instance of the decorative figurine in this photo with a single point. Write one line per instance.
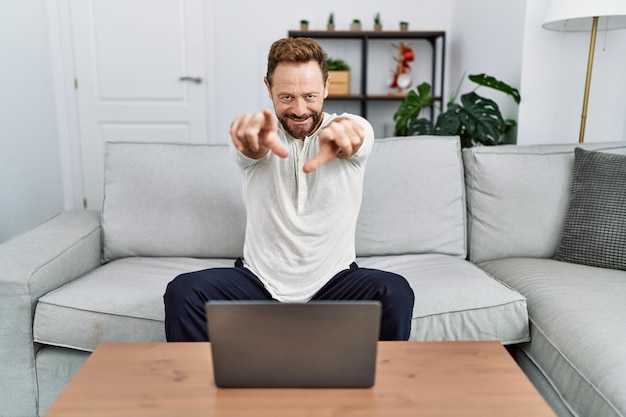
(401, 79)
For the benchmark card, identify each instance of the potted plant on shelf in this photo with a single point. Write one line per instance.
(304, 25)
(356, 25)
(404, 26)
(378, 25)
(331, 22)
(476, 120)
(339, 72)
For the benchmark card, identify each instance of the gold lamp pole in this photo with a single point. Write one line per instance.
(592, 47)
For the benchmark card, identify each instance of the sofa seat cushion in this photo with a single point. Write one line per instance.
(456, 300)
(121, 301)
(577, 326)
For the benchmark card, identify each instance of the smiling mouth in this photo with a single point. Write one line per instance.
(300, 119)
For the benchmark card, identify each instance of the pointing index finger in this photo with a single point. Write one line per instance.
(327, 153)
(270, 137)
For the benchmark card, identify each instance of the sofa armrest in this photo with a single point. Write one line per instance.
(31, 265)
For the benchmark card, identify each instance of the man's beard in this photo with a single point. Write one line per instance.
(300, 131)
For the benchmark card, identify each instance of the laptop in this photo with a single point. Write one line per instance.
(329, 344)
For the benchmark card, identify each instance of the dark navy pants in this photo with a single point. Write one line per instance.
(187, 294)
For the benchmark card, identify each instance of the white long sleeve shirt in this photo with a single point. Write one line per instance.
(300, 229)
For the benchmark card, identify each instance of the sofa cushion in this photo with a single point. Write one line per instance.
(121, 301)
(456, 300)
(595, 224)
(413, 198)
(577, 328)
(171, 200)
(517, 197)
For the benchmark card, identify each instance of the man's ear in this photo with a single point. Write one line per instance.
(269, 88)
(326, 86)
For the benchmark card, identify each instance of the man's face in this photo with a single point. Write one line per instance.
(298, 94)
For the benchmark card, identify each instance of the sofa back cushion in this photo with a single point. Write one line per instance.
(413, 198)
(517, 198)
(171, 200)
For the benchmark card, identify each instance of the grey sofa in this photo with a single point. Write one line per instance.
(473, 232)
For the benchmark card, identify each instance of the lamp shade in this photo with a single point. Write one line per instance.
(577, 15)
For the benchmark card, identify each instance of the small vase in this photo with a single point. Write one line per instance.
(330, 27)
(404, 26)
(355, 26)
(378, 27)
(304, 26)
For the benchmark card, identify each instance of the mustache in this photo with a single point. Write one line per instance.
(298, 118)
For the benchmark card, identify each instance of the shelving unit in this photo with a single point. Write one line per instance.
(436, 40)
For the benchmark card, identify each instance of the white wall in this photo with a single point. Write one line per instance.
(501, 38)
(487, 37)
(30, 169)
(553, 82)
(483, 36)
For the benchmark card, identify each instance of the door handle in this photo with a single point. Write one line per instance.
(196, 80)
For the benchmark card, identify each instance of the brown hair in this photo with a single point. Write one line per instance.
(295, 51)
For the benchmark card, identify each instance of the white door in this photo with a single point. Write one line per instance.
(140, 76)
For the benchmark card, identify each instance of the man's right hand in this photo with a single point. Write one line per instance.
(255, 134)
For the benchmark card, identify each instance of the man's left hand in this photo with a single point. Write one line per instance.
(341, 138)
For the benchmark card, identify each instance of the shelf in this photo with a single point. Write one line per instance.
(346, 97)
(381, 97)
(354, 34)
(367, 41)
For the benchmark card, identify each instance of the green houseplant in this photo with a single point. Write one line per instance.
(339, 72)
(331, 21)
(337, 64)
(476, 120)
(378, 24)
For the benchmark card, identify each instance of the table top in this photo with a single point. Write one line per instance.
(412, 379)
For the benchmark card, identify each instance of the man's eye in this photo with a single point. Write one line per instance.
(285, 98)
(311, 97)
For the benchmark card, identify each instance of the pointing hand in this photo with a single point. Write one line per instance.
(255, 134)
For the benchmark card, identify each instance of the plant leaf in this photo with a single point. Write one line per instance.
(421, 126)
(492, 82)
(449, 123)
(410, 108)
(481, 118)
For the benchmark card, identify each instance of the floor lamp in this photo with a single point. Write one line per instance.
(584, 16)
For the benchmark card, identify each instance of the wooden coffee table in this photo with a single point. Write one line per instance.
(412, 379)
